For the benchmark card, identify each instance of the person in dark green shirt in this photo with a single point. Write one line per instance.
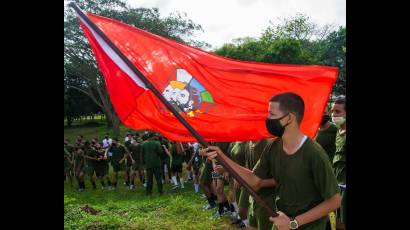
(237, 154)
(129, 162)
(116, 155)
(177, 159)
(68, 161)
(258, 217)
(339, 160)
(135, 149)
(151, 151)
(218, 183)
(326, 136)
(90, 160)
(101, 166)
(195, 163)
(188, 152)
(298, 168)
(165, 160)
(79, 161)
(205, 182)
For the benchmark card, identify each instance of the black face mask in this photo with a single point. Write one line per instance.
(325, 119)
(274, 126)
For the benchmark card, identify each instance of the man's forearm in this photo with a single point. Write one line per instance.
(320, 210)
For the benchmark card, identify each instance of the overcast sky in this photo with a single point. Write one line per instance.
(224, 20)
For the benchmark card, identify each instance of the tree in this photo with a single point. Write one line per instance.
(334, 54)
(295, 40)
(79, 62)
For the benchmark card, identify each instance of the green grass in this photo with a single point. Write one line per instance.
(91, 129)
(124, 209)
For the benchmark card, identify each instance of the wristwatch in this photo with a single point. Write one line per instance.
(293, 223)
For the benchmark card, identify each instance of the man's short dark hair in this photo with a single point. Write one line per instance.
(341, 100)
(290, 103)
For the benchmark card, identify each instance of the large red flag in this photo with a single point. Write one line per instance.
(223, 99)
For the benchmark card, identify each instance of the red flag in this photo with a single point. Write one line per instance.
(223, 99)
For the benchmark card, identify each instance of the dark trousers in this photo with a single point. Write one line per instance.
(157, 173)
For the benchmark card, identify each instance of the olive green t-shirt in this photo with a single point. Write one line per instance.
(237, 152)
(327, 139)
(135, 150)
(339, 160)
(224, 146)
(305, 178)
(91, 152)
(151, 151)
(118, 152)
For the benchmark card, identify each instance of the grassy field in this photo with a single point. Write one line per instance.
(125, 209)
(91, 129)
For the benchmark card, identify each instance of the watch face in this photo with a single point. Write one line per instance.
(293, 224)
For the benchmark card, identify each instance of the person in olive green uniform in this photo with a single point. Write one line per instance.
(129, 162)
(68, 161)
(90, 159)
(205, 181)
(339, 160)
(165, 161)
(67, 165)
(218, 184)
(188, 152)
(195, 163)
(79, 162)
(151, 151)
(135, 149)
(177, 158)
(298, 168)
(326, 136)
(237, 154)
(101, 166)
(257, 216)
(116, 155)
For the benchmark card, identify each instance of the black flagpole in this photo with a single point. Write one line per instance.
(200, 139)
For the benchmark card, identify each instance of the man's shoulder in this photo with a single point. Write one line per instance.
(314, 149)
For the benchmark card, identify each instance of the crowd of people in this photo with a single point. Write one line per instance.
(310, 177)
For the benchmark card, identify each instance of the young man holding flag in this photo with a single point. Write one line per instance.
(299, 169)
(223, 84)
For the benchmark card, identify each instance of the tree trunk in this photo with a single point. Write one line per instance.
(116, 126)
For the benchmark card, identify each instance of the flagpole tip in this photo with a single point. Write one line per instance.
(72, 4)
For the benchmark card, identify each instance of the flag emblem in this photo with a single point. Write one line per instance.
(187, 94)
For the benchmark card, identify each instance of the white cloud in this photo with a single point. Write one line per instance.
(224, 20)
